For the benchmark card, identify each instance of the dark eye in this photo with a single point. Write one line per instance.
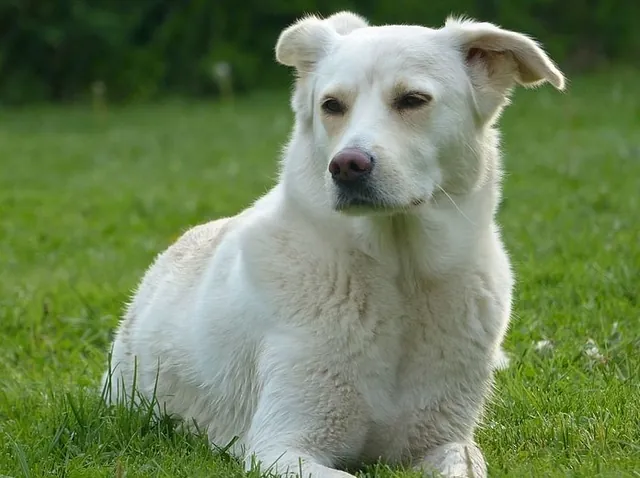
(412, 101)
(333, 107)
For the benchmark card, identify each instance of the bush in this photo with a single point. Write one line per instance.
(58, 49)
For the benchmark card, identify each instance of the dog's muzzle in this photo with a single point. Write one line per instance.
(351, 171)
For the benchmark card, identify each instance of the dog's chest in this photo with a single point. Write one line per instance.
(402, 378)
(411, 350)
(403, 346)
(401, 352)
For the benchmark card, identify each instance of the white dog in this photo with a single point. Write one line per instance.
(355, 313)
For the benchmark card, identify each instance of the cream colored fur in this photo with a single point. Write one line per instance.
(327, 339)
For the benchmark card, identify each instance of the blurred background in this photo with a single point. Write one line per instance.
(62, 50)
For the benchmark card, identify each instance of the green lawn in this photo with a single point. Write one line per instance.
(87, 200)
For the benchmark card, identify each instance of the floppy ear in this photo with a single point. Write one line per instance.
(503, 57)
(308, 40)
(345, 22)
(304, 43)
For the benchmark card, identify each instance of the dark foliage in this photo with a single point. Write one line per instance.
(55, 50)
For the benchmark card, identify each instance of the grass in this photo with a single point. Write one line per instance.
(87, 200)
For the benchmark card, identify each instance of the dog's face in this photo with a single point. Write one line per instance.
(395, 113)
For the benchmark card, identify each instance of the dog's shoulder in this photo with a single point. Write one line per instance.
(184, 261)
(199, 240)
(191, 252)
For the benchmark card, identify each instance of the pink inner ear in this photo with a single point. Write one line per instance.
(476, 54)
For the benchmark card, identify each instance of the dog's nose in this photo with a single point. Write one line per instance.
(350, 165)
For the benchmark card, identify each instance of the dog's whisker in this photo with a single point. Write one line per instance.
(455, 205)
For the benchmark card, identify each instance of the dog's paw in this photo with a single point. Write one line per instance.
(455, 460)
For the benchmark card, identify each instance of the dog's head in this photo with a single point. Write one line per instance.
(391, 114)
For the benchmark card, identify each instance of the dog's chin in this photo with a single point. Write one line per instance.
(372, 206)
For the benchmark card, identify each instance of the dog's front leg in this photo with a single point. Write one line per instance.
(282, 442)
(291, 463)
(455, 460)
(307, 420)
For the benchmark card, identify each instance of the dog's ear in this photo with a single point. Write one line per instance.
(306, 42)
(502, 57)
(345, 22)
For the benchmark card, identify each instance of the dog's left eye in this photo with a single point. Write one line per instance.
(412, 101)
(333, 107)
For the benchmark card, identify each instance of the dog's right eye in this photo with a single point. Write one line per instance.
(333, 107)
(412, 101)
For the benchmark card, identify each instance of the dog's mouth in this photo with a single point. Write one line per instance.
(359, 203)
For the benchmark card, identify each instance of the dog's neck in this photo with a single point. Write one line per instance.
(442, 237)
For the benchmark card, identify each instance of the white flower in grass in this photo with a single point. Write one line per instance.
(592, 351)
(544, 346)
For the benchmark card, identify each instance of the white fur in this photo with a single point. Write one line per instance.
(324, 339)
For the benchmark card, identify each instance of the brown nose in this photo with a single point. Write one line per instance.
(350, 165)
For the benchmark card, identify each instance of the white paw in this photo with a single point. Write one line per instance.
(456, 460)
